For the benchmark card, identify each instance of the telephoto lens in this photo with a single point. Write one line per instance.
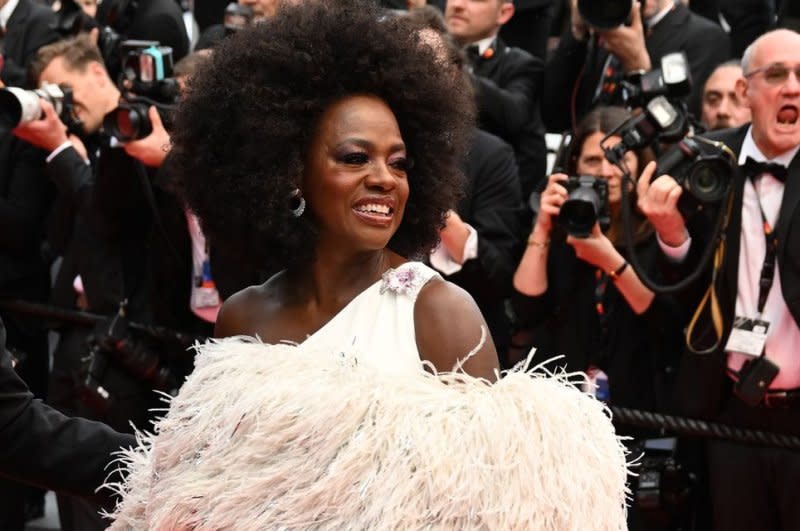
(19, 106)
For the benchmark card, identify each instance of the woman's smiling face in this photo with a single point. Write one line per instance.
(355, 180)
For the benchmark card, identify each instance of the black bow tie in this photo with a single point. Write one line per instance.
(753, 169)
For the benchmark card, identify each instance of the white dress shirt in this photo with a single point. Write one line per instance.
(783, 336)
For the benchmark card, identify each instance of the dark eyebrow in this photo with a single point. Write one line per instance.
(366, 144)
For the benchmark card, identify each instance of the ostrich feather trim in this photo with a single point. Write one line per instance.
(279, 437)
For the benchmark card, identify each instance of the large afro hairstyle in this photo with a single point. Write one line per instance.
(244, 127)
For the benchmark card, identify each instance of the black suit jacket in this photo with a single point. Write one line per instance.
(703, 381)
(25, 197)
(706, 45)
(42, 446)
(492, 206)
(29, 28)
(508, 85)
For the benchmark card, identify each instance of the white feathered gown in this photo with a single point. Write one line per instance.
(346, 431)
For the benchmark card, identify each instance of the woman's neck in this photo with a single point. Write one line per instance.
(334, 277)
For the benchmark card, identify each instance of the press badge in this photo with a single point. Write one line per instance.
(748, 336)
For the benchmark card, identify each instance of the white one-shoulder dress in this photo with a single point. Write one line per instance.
(346, 431)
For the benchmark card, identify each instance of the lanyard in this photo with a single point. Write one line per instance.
(768, 268)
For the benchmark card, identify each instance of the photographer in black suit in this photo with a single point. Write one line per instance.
(749, 372)
(507, 81)
(588, 65)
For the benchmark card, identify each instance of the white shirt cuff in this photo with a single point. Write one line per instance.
(56, 151)
(442, 261)
(675, 254)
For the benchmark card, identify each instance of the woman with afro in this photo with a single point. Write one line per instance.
(327, 141)
(330, 107)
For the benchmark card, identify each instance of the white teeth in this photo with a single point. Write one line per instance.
(374, 208)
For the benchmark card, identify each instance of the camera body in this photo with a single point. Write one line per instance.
(673, 81)
(146, 79)
(72, 20)
(660, 121)
(113, 343)
(704, 168)
(586, 204)
(19, 106)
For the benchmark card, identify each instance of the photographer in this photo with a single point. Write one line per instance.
(742, 366)
(118, 20)
(582, 281)
(590, 63)
(107, 200)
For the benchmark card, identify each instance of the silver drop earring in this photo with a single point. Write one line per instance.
(301, 203)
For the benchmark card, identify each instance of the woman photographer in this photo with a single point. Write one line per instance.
(585, 300)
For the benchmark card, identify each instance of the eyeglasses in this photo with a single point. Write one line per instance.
(776, 73)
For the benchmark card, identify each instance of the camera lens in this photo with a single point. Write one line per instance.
(605, 14)
(579, 212)
(18, 106)
(128, 122)
(706, 181)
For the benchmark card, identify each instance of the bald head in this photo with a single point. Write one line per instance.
(771, 89)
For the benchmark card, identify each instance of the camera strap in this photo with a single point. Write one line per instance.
(710, 296)
(767, 277)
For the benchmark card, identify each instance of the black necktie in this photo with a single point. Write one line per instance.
(753, 169)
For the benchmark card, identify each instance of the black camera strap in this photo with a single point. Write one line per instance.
(767, 277)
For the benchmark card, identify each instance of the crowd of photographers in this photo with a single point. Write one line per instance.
(601, 253)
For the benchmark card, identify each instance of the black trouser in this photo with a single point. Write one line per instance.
(755, 488)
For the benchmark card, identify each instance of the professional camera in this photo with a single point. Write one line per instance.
(663, 491)
(72, 20)
(660, 121)
(703, 167)
(605, 14)
(113, 342)
(586, 204)
(237, 17)
(146, 80)
(673, 80)
(19, 106)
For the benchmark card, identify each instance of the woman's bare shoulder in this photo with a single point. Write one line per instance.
(248, 311)
(449, 326)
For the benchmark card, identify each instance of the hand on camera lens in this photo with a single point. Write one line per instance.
(551, 200)
(658, 201)
(595, 249)
(47, 133)
(152, 149)
(627, 43)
